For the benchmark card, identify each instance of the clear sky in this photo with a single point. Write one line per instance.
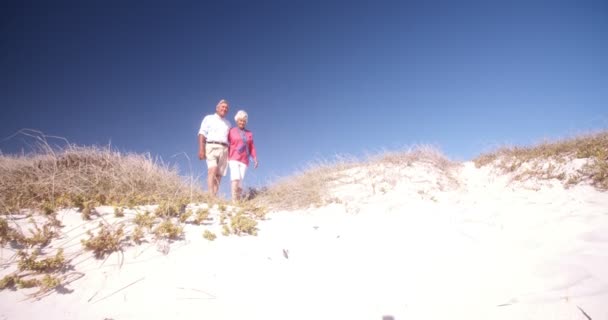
(318, 78)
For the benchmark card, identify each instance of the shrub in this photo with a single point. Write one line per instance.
(209, 235)
(593, 147)
(145, 220)
(138, 235)
(105, 242)
(201, 216)
(119, 212)
(241, 223)
(51, 176)
(169, 230)
(30, 263)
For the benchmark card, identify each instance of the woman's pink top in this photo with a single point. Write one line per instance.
(237, 149)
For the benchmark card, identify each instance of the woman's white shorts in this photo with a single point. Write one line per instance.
(237, 170)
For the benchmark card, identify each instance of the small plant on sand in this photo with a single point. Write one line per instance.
(169, 230)
(119, 212)
(88, 210)
(105, 242)
(30, 262)
(209, 235)
(45, 283)
(9, 281)
(48, 208)
(225, 230)
(258, 212)
(40, 236)
(241, 223)
(222, 207)
(170, 209)
(201, 216)
(223, 217)
(185, 216)
(48, 283)
(138, 235)
(7, 234)
(27, 283)
(144, 220)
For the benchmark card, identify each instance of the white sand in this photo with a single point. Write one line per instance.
(485, 249)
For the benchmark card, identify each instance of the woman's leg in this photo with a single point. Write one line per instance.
(236, 190)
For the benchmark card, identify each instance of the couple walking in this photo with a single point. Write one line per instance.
(225, 146)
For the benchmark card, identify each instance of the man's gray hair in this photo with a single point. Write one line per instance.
(241, 114)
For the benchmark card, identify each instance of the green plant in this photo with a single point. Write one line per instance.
(169, 230)
(138, 235)
(29, 283)
(49, 282)
(48, 208)
(40, 237)
(144, 220)
(223, 217)
(185, 216)
(29, 262)
(209, 235)
(241, 223)
(225, 230)
(106, 241)
(7, 233)
(170, 209)
(89, 208)
(201, 216)
(119, 212)
(9, 282)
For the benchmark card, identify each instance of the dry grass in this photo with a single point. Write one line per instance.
(593, 147)
(52, 177)
(311, 187)
(303, 189)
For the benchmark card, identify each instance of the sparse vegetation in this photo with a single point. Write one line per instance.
(241, 223)
(168, 229)
(119, 212)
(225, 230)
(593, 147)
(201, 216)
(185, 216)
(170, 209)
(144, 220)
(39, 236)
(107, 240)
(29, 262)
(209, 235)
(138, 235)
(379, 174)
(7, 233)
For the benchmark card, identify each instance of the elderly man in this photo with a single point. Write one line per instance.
(213, 145)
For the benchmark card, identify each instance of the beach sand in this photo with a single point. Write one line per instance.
(484, 248)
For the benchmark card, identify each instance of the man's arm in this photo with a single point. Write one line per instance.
(201, 147)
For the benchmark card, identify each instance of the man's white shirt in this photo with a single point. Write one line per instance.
(215, 128)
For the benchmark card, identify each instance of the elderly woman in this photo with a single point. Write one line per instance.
(241, 147)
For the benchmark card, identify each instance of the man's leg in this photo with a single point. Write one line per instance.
(211, 180)
(218, 179)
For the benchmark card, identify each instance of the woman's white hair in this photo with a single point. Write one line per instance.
(241, 114)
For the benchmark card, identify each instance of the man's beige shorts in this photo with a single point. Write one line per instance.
(217, 156)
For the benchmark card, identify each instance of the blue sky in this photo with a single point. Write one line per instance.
(317, 78)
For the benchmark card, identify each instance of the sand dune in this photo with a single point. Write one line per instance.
(474, 244)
